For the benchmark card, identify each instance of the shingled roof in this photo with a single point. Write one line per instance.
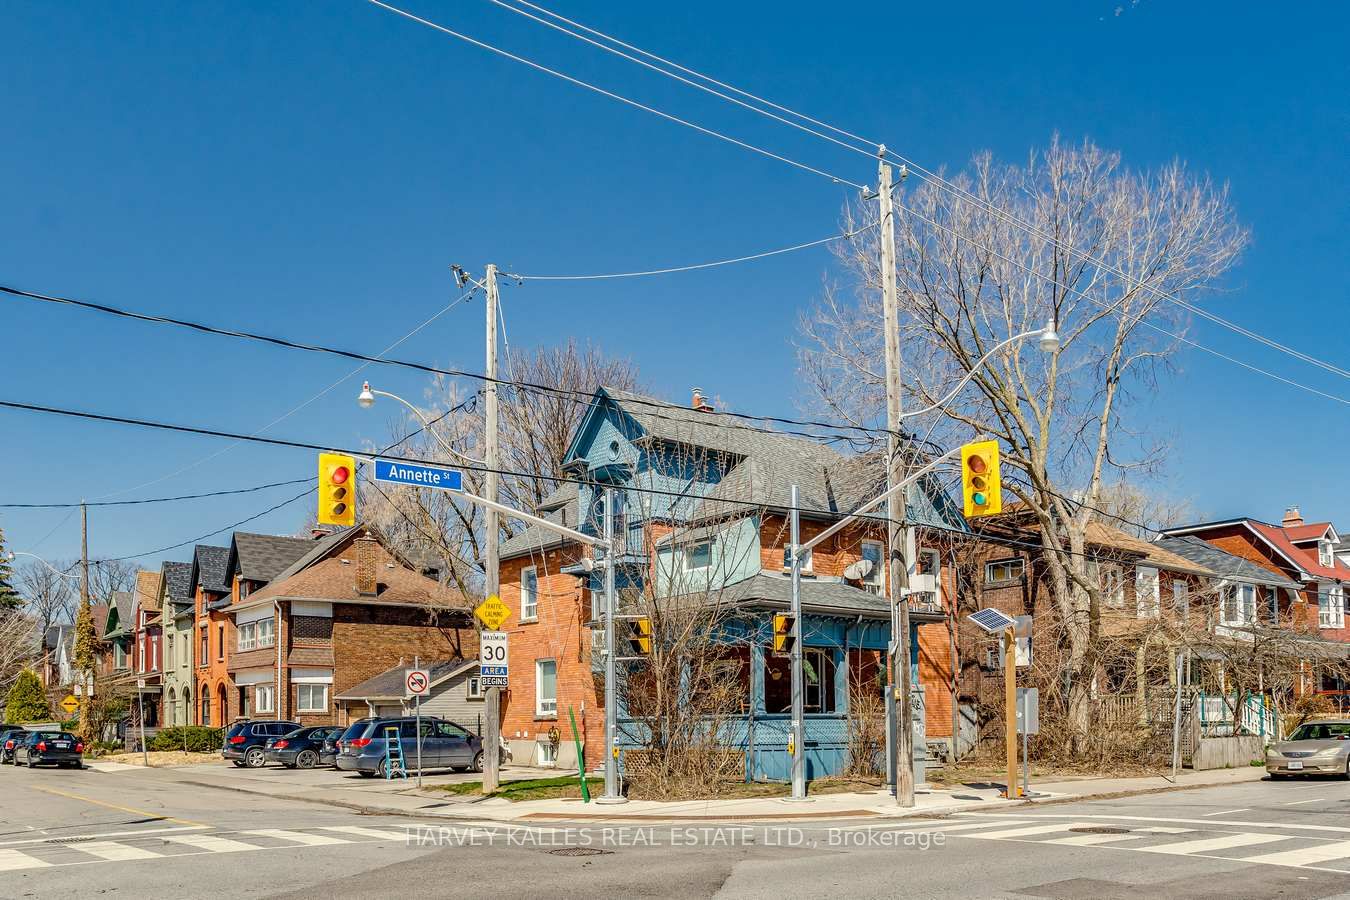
(178, 581)
(209, 565)
(559, 507)
(262, 557)
(388, 685)
(1223, 563)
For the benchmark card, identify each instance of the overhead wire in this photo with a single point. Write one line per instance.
(149, 500)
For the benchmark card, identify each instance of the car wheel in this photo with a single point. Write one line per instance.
(254, 758)
(477, 762)
(306, 759)
(382, 770)
(31, 764)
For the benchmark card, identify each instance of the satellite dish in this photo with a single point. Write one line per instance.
(587, 564)
(858, 570)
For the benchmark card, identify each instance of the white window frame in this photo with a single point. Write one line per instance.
(1147, 592)
(1016, 566)
(300, 692)
(1181, 599)
(1331, 610)
(689, 555)
(1243, 598)
(548, 753)
(474, 688)
(529, 599)
(545, 708)
(787, 559)
(246, 638)
(264, 698)
(1325, 555)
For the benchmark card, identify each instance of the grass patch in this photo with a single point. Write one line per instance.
(529, 789)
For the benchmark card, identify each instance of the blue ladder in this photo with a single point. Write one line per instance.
(394, 766)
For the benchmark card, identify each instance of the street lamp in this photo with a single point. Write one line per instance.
(14, 553)
(1047, 339)
(366, 399)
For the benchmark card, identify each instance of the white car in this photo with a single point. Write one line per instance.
(1314, 748)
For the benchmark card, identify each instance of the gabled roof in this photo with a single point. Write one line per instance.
(121, 612)
(559, 507)
(1275, 537)
(1313, 531)
(1224, 564)
(208, 568)
(56, 636)
(262, 557)
(147, 590)
(824, 597)
(1154, 555)
(178, 581)
(388, 685)
(99, 613)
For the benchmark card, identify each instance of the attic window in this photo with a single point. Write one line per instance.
(1324, 553)
(613, 449)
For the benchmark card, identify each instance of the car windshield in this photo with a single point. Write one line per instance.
(52, 736)
(355, 730)
(236, 729)
(1322, 731)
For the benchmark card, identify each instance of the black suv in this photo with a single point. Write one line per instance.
(303, 749)
(246, 742)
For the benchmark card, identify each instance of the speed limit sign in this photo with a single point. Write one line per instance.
(492, 660)
(417, 682)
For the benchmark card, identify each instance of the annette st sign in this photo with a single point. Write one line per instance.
(392, 472)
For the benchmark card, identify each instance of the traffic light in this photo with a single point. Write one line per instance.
(782, 632)
(337, 489)
(980, 484)
(640, 635)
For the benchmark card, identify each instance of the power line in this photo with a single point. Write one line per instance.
(248, 490)
(305, 493)
(690, 268)
(433, 370)
(613, 96)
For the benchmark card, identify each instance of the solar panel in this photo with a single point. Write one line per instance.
(992, 620)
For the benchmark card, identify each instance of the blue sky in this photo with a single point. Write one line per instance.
(312, 170)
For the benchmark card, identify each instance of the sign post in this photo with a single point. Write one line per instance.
(996, 622)
(417, 681)
(140, 706)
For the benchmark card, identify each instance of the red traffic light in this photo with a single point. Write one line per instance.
(339, 475)
(977, 464)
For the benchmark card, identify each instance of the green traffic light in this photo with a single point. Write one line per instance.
(979, 498)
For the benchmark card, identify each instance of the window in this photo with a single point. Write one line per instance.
(1181, 599)
(119, 657)
(1003, 570)
(255, 635)
(312, 698)
(529, 594)
(204, 657)
(698, 556)
(787, 558)
(168, 651)
(545, 688)
(1239, 605)
(475, 688)
(548, 753)
(264, 698)
(1112, 582)
(244, 589)
(872, 552)
(1146, 591)
(220, 641)
(1324, 554)
(1331, 607)
(818, 682)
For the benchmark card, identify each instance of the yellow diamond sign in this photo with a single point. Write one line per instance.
(70, 704)
(492, 612)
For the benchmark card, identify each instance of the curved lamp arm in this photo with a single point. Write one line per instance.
(1049, 340)
(367, 398)
(14, 553)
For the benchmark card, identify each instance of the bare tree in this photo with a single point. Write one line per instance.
(49, 597)
(107, 576)
(970, 277)
(17, 645)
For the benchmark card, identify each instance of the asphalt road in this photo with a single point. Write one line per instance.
(134, 834)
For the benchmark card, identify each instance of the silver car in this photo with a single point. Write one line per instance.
(1314, 748)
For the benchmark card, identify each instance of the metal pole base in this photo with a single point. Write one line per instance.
(796, 799)
(610, 801)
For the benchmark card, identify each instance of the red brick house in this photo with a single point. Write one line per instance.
(342, 613)
(147, 659)
(212, 635)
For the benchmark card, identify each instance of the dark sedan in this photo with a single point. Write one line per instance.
(50, 748)
(303, 748)
(9, 739)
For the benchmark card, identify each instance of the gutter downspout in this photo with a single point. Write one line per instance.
(281, 693)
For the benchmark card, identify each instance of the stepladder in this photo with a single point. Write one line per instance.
(394, 766)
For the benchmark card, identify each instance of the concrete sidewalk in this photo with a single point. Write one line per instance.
(379, 797)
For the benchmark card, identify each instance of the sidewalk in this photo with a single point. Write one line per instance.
(380, 797)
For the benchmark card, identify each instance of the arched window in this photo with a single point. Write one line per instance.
(170, 708)
(206, 706)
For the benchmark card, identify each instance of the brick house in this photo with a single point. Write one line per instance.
(342, 613)
(213, 631)
(703, 500)
(177, 619)
(147, 646)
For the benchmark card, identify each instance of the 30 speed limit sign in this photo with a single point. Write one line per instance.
(492, 660)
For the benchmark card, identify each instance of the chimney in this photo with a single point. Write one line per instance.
(367, 564)
(699, 402)
(1292, 517)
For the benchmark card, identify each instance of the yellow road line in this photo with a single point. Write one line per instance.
(128, 809)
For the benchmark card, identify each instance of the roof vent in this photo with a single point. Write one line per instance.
(1292, 518)
(700, 402)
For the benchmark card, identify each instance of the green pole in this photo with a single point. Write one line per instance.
(581, 759)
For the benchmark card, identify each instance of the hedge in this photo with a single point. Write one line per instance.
(193, 738)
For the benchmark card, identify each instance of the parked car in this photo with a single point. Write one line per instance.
(363, 747)
(246, 742)
(1314, 748)
(58, 748)
(302, 748)
(9, 739)
(329, 750)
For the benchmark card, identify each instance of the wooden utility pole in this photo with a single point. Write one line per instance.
(899, 553)
(492, 701)
(86, 698)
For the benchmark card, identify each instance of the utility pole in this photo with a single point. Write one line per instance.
(88, 693)
(612, 793)
(797, 738)
(899, 537)
(492, 702)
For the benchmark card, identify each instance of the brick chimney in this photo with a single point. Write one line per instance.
(1292, 518)
(700, 402)
(367, 564)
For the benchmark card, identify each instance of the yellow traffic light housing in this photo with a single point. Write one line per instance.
(337, 489)
(640, 635)
(782, 632)
(980, 484)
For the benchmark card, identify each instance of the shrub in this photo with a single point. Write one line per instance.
(27, 702)
(193, 738)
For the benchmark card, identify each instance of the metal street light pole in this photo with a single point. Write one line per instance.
(367, 399)
(612, 793)
(797, 737)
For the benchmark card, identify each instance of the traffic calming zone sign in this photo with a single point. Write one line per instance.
(492, 612)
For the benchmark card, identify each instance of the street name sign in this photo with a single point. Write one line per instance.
(415, 475)
(493, 613)
(417, 682)
(492, 660)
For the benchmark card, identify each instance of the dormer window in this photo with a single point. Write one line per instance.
(1325, 555)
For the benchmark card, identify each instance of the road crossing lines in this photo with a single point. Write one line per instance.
(1206, 846)
(298, 837)
(1304, 856)
(210, 843)
(11, 860)
(112, 851)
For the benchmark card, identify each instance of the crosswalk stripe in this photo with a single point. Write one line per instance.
(1208, 845)
(1028, 831)
(17, 859)
(298, 837)
(1091, 840)
(378, 834)
(1304, 857)
(113, 851)
(211, 843)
